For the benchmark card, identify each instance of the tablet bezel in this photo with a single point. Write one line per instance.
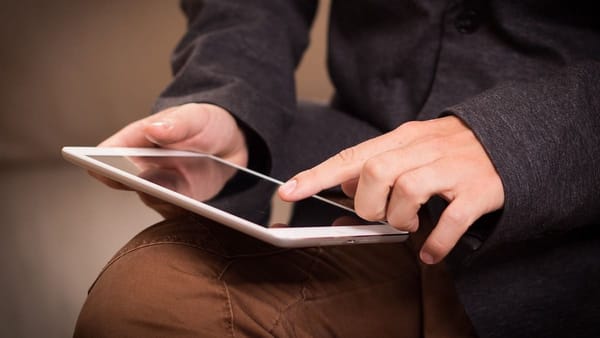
(282, 237)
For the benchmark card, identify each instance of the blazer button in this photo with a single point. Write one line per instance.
(467, 22)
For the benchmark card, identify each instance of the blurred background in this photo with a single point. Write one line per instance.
(72, 73)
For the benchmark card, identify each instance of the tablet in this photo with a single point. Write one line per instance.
(237, 197)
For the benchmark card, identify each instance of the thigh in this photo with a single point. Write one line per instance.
(191, 277)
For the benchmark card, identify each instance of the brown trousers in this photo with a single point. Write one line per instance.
(189, 277)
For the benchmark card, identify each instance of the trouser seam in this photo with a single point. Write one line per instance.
(229, 303)
(277, 321)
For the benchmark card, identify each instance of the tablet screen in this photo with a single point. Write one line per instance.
(235, 191)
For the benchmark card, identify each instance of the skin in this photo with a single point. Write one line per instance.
(389, 176)
(392, 175)
(196, 127)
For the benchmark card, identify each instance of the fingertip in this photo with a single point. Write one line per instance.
(286, 191)
(413, 224)
(349, 187)
(452, 225)
(434, 250)
(297, 188)
(427, 258)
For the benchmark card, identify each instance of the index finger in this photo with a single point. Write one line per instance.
(342, 167)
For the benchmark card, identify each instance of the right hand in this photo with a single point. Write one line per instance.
(199, 127)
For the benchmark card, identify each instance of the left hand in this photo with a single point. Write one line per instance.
(392, 175)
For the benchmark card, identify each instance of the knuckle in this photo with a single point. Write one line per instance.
(376, 168)
(399, 223)
(408, 129)
(457, 217)
(410, 125)
(407, 186)
(347, 155)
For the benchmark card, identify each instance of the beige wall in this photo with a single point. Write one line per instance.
(312, 78)
(75, 71)
(71, 73)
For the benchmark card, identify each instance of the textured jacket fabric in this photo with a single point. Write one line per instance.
(523, 75)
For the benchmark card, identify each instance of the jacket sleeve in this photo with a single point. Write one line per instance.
(241, 55)
(544, 140)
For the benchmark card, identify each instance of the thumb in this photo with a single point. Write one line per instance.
(161, 132)
(175, 125)
(198, 127)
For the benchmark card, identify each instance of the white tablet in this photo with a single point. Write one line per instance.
(246, 202)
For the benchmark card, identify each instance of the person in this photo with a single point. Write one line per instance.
(472, 124)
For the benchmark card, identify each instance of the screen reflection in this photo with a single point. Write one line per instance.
(236, 191)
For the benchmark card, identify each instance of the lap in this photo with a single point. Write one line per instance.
(191, 277)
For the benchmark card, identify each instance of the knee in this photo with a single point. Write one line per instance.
(155, 290)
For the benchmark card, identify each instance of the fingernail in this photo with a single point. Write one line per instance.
(426, 258)
(288, 187)
(162, 124)
(159, 127)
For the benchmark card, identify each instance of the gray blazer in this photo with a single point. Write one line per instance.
(524, 75)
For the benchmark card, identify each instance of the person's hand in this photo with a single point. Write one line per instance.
(199, 127)
(202, 128)
(392, 175)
